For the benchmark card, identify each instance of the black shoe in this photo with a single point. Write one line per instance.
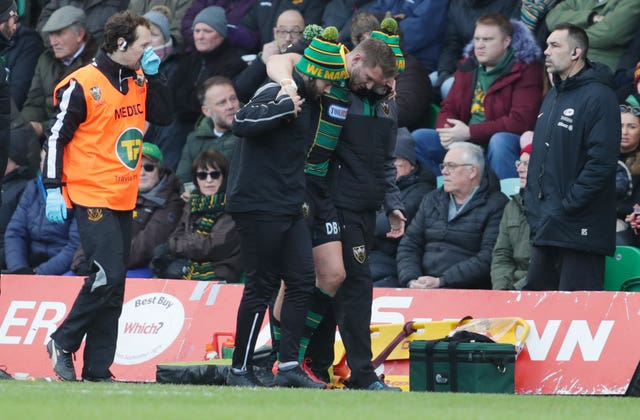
(297, 378)
(264, 376)
(93, 379)
(62, 362)
(381, 386)
(246, 379)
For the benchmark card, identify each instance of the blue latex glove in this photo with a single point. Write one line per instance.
(150, 61)
(56, 208)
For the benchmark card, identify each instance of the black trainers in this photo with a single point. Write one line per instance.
(264, 376)
(93, 379)
(246, 379)
(381, 386)
(306, 368)
(62, 362)
(297, 378)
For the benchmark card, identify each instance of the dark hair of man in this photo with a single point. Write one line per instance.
(212, 81)
(209, 159)
(122, 25)
(577, 36)
(376, 53)
(499, 20)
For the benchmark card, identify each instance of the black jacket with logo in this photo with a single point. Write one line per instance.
(570, 197)
(362, 175)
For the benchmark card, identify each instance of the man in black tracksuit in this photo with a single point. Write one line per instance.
(570, 194)
(266, 190)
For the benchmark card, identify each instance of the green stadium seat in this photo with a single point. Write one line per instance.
(622, 271)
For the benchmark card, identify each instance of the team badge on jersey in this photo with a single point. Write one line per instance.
(386, 108)
(96, 93)
(94, 215)
(360, 253)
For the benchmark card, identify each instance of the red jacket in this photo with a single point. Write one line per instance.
(511, 103)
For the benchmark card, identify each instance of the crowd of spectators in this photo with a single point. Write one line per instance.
(474, 74)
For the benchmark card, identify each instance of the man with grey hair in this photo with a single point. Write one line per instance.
(72, 47)
(449, 241)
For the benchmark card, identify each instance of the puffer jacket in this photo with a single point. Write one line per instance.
(362, 175)
(570, 197)
(457, 251)
(512, 101)
(32, 241)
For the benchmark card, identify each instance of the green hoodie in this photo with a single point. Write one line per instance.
(484, 80)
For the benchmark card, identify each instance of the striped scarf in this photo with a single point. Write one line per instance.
(205, 211)
(533, 12)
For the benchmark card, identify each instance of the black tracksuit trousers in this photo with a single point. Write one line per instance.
(273, 247)
(105, 236)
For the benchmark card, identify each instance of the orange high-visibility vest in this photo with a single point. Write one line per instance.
(101, 163)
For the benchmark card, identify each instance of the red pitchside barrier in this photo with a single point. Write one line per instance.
(580, 342)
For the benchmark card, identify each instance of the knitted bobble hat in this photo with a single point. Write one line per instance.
(324, 58)
(389, 34)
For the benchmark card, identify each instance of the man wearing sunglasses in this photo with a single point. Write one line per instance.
(570, 196)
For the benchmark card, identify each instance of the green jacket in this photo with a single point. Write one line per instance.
(49, 71)
(607, 39)
(511, 254)
(199, 140)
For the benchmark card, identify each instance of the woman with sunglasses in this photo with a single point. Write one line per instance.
(205, 245)
(628, 173)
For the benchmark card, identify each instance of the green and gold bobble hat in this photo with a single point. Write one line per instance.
(324, 58)
(389, 34)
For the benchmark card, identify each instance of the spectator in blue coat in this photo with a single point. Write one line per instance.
(33, 244)
(423, 23)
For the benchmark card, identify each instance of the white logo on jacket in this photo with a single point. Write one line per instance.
(338, 112)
